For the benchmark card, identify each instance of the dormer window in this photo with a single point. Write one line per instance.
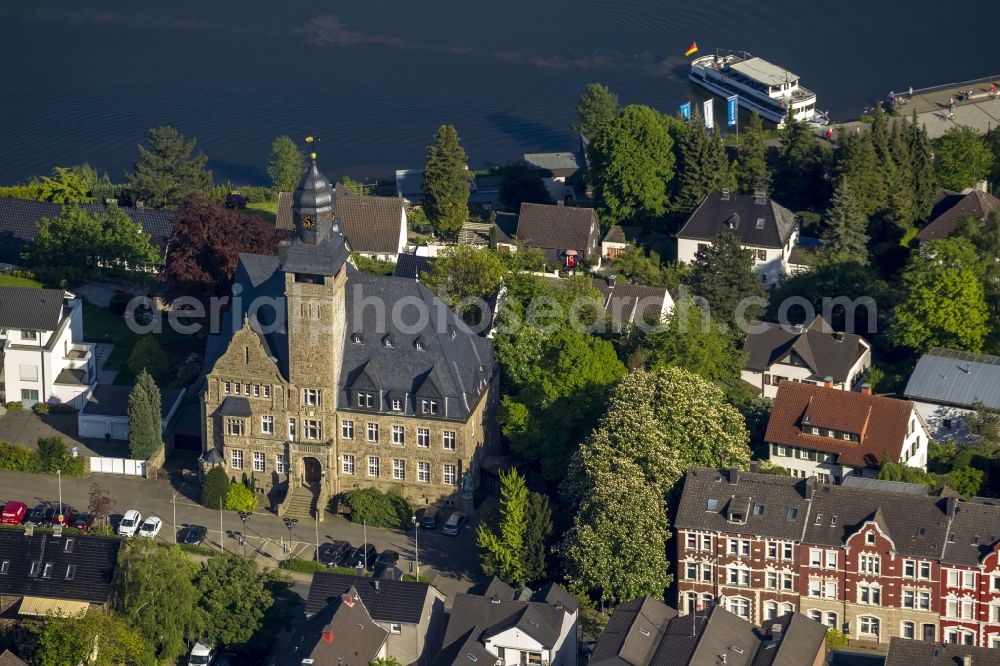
(389, 341)
(418, 344)
(356, 338)
(760, 223)
(428, 406)
(364, 399)
(397, 405)
(310, 397)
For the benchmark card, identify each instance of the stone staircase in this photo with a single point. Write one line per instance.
(301, 504)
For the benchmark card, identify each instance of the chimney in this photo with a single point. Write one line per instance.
(329, 634)
(375, 582)
(775, 630)
(967, 660)
(981, 185)
(725, 194)
(866, 389)
(734, 476)
(951, 505)
(348, 600)
(283, 251)
(828, 382)
(759, 197)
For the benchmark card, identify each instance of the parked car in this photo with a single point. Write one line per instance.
(429, 521)
(59, 516)
(453, 526)
(333, 553)
(13, 513)
(130, 523)
(151, 527)
(385, 559)
(363, 556)
(192, 535)
(36, 517)
(82, 521)
(201, 655)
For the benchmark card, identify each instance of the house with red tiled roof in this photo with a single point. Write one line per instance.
(828, 433)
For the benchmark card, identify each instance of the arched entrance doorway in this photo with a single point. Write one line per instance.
(313, 471)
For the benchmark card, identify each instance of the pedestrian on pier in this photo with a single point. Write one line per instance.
(910, 92)
(993, 90)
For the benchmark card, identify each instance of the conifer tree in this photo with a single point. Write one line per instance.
(538, 529)
(858, 165)
(752, 173)
(844, 235)
(144, 436)
(446, 183)
(922, 160)
(502, 549)
(800, 178)
(704, 167)
(880, 137)
(901, 213)
(166, 172)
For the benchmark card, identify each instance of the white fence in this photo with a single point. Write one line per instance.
(125, 466)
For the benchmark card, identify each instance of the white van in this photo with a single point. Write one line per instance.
(201, 655)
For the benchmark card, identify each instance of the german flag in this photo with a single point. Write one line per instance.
(692, 49)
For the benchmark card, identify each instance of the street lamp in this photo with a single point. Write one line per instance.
(60, 512)
(244, 516)
(416, 547)
(290, 524)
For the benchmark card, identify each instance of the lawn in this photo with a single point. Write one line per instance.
(267, 210)
(100, 325)
(12, 281)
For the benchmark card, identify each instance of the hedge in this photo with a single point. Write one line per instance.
(50, 456)
(378, 509)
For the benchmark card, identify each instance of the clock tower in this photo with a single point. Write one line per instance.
(312, 207)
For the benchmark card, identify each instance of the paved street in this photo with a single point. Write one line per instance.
(450, 562)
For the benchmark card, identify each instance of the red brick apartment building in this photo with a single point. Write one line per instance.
(876, 559)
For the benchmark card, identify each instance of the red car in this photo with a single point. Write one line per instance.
(13, 513)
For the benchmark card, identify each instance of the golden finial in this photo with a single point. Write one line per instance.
(310, 139)
(313, 156)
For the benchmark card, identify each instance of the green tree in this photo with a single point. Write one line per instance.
(522, 183)
(144, 418)
(148, 355)
(536, 536)
(125, 248)
(446, 183)
(632, 163)
(51, 453)
(993, 142)
(98, 638)
(845, 232)
(829, 278)
(597, 108)
(232, 597)
(240, 498)
(167, 172)
(984, 424)
(858, 167)
(836, 640)
(800, 170)
(752, 172)
(943, 303)
(902, 211)
(462, 275)
(703, 167)
(214, 487)
(502, 549)
(157, 597)
(373, 507)
(922, 162)
(286, 165)
(68, 185)
(985, 236)
(961, 158)
(722, 274)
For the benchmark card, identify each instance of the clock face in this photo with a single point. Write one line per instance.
(308, 222)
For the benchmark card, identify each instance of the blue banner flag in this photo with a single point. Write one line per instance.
(686, 110)
(732, 103)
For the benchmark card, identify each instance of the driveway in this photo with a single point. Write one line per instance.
(26, 427)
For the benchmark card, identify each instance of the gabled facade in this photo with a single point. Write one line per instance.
(567, 235)
(618, 240)
(953, 208)
(44, 357)
(557, 171)
(808, 354)
(824, 432)
(342, 632)
(764, 227)
(876, 559)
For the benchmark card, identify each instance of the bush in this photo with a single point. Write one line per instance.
(240, 498)
(15, 406)
(214, 487)
(379, 509)
(41, 408)
(51, 452)
(190, 370)
(836, 640)
(148, 354)
(62, 408)
(302, 566)
(50, 456)
(235, 201)
(374, 266)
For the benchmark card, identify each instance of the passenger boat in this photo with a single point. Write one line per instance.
(771, 91)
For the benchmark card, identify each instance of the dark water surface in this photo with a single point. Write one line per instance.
(374, 78)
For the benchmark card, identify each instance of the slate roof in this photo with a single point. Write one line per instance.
(904, 652)
(973, 533)
(283, 218)
(797, 644)
(94, 559)
(341, 632)
(707, 493)
(955, 378)
(371, 224)
(112, 400)
(19, 223)
(627, 303)
(817, 346)
(718, 215)
(410, 266)
(505, 225)
(881, 422)
(560, 165)
(555, 595)
(952, 209)
(494, 587)
(633, 633)
(31, 309)
(558, 228)
(623, 234)
(390, 601)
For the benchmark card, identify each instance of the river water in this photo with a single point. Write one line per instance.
(374, 78)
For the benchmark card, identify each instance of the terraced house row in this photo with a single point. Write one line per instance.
(875, 559)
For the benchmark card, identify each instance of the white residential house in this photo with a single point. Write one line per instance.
(948, 384)
(828, 433)
(557, 170)
(44, 357)
(809, 354)
(766, 228)
(618, 240)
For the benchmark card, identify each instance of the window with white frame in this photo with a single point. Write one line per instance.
(310, 397)
(909, 599)
(448, 440)
(398, 434)
(313, 429)
(691, 539)
(423, 472)
(815, 557)
(236, 459)
(428, 406)
(869, 594)
(738, 547)
(787, 580)
(256, 390)
(909, 569)
(234, 427)
(448, 475)
(739, 606)
(258, 461)
(226, 388)
(787, 550)
(267, 425)
(923, 600)
(771, 550)
(395, 628)
(372, 465)
(364, 399)
(831, 559)
(770, 610)
(868, 626)
(771, 580)
(831, 620)
(815, 587)
(423, 438)
(925, 570)
(738, 576)
(692, 569)
(267, 391)
(706, 542)
(968, 580)
(347, 429)
(397, 405)
(279, 463)
(237, 388)
(246, 389)
(869, 564)
(372, 432)
(398, 469)
(954, 577)
(347, 464)
(908, 630)
(870, 538)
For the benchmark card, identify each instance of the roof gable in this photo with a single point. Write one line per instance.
(759, 222)
(371, 224)
(385, 600)
(557, 227)
(31, 309)
(952, 209)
